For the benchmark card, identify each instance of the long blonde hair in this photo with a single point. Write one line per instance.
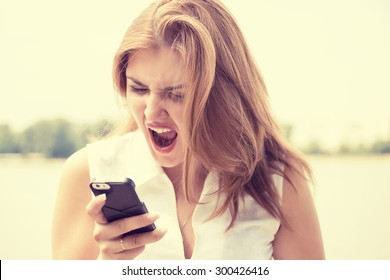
(230, 130)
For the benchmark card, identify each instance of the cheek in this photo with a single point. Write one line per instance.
(178, 117)
(136, 107)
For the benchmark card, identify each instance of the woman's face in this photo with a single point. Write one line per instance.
(155, 96)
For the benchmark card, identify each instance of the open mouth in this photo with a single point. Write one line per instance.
(163, 137)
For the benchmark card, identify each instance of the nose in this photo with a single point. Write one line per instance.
(154, 107)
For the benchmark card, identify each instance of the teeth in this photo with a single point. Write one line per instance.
(161, 130)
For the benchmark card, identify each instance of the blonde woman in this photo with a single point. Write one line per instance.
(202, 147)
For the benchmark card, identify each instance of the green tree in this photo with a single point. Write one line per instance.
(52, 138)
(381, 147)
(314, 147)
(64, 142)
(90, 132)
(37, 138)
(8, 140)
(287, 131)
(56, 138)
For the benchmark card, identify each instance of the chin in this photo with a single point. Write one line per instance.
(168, 161)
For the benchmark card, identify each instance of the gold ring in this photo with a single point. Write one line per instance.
(123, 244)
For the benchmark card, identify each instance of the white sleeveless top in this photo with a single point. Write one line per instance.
(250, 238)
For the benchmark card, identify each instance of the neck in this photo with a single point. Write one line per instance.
(195, 185)
(175, 174)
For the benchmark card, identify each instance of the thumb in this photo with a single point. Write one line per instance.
(94, 208)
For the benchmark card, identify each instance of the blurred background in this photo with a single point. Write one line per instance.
(326, 65)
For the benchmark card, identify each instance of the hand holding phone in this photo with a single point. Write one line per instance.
(122, 201)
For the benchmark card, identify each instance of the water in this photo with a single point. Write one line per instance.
(352, 197)
(28, 192)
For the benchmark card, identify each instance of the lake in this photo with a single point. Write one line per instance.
(352, 195)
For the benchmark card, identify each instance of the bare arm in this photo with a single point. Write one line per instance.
(72, 232)
(301, 239)
(80, 230)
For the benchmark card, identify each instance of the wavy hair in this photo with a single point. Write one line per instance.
(230, 129)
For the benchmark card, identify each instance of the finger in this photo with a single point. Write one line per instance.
(125, 225)
(130, 254)
(94, 208)
(124, 255)
(131, 242)
(115, 229)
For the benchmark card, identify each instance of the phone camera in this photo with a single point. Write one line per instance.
(101, 186)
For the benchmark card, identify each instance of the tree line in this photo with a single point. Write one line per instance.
(59, 138)
(379, 146)
(56, 138)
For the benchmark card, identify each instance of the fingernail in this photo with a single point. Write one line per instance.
(101, 197)
(163, 230)
(153, 216)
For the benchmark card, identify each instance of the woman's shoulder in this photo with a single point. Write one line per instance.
(79, 164)
(301, 237)
(69, 214)
(296, 184)
(76, 167)
(117, 156)
(297, 179)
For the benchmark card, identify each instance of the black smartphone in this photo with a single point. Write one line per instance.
(122, 201)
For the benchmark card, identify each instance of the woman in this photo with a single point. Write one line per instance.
(206, 155)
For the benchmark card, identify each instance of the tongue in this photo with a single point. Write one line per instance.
(164, 139)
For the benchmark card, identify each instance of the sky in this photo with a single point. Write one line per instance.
(326, 64)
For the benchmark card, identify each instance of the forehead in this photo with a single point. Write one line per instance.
(155, 67)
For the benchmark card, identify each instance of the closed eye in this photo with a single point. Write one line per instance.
(139, 91)
(175, 97)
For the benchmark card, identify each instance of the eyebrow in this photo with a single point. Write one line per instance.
(179, 86)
